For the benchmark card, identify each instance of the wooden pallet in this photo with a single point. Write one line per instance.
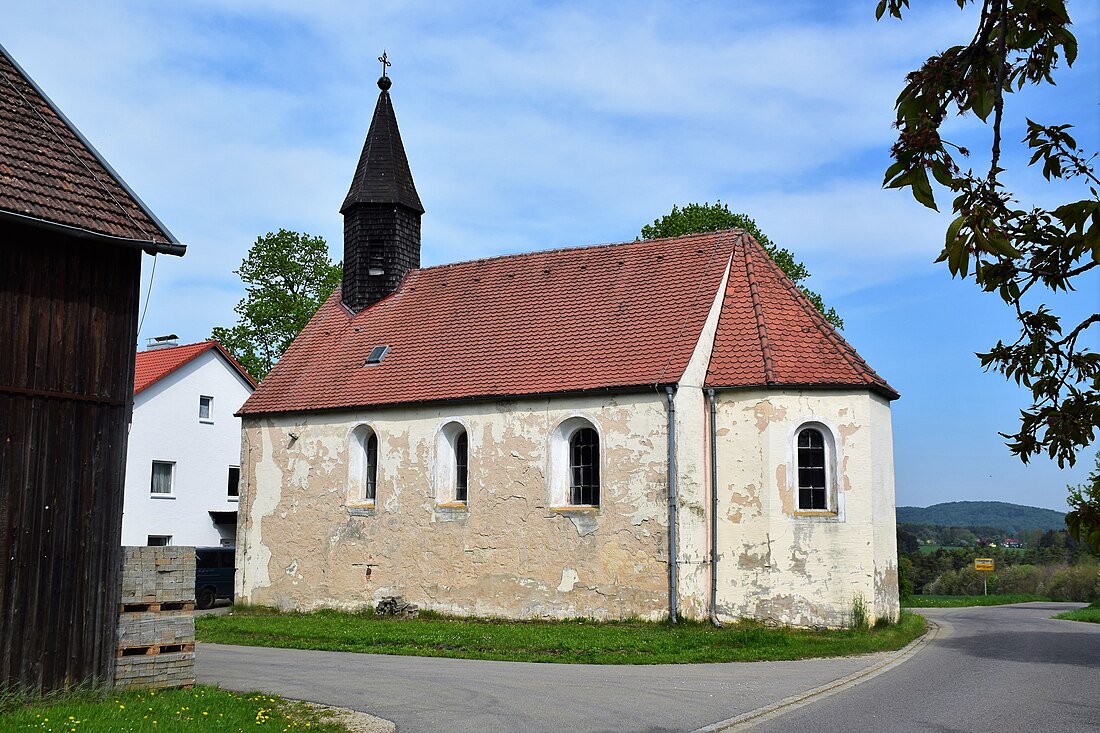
(141, 651)
(145, 607)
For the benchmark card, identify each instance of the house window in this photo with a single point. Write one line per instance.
(161, 484)
(575, 464)
(363, 465)
(159, 540)
(451, 472)
(206, 409)
(234, 483)
(812, 471)
(584, 467)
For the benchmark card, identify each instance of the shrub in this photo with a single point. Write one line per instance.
(1075, 583)
(1019, 579)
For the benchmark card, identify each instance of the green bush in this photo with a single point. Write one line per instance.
(1075, 583)
(1019, 579)
(964, 582)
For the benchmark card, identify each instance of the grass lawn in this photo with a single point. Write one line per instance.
(961, 601)
(200, 709)
(590, 642)
(1090, 614)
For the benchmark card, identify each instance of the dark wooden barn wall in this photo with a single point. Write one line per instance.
(68, 327)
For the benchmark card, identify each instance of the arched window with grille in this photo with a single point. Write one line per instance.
(813, 471)
(462, 473)
(584, 467)
(363, 465)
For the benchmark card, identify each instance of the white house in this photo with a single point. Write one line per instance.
(183, 461)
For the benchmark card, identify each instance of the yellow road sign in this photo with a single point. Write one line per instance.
(983, 563)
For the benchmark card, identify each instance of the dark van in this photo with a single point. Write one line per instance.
(213, 574)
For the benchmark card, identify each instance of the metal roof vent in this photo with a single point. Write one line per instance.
(162, 342)
(377, 354)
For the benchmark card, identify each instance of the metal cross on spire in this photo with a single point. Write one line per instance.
(385, 62)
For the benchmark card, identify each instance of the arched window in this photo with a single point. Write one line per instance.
(584, 467)
(812, 470)
(370, 476)
(451, 474)
(462, 450)
(363, 465)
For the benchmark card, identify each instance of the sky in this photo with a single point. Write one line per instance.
(536, 125)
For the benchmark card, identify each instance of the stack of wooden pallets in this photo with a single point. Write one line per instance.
(156, 624)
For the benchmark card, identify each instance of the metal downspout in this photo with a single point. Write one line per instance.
(670, 393)
(713, 509)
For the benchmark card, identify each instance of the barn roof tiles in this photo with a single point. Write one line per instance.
(49, 173)
(607, 317)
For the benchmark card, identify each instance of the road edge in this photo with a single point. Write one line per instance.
(767, 712)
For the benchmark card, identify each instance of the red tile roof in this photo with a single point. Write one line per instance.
(591, 318)
(49, 172)
(156, 364)
(770, 334)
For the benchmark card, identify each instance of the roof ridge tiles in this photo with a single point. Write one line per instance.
(758, 311)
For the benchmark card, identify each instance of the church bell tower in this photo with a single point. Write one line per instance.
(381, 212)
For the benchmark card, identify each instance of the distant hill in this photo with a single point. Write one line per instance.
(1012, 518)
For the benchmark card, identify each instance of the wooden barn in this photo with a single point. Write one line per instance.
(71, 239)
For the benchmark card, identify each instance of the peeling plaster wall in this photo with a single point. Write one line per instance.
(304, 542)
(777, 566)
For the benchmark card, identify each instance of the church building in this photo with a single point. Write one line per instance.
(648, 429)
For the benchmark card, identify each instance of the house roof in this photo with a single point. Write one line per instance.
(51, 176)
(383, 175)
(156, 364)
(607, 317)
(770, 334)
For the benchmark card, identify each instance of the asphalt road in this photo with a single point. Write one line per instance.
(431, 695)
(997, 669)
(1007, 668)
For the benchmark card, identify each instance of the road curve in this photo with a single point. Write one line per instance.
(1004, 668)
(995, 669)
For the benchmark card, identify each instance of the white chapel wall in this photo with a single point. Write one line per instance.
(804, 570)
(304, 542)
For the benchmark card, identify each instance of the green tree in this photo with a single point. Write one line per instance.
(287, 276)
(695, 218)
(1018, 251)
(1083, 519)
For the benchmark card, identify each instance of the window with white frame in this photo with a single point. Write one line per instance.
(575, 464)
(161, 482)
(206, 408)
(452, 464)
(363, 465)
(813, 472)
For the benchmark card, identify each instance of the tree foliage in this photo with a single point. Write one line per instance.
(695, 218)
(1083, 519)
(1022, 253)
(287, 276)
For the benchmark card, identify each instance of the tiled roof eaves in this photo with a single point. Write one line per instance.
(170, 239)
(656, 388)
(151, 246)
(847, 352)
(880, 388)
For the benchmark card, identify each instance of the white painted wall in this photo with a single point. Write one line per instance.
(166, 427)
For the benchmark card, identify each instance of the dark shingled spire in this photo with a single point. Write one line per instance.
(383, 175)
(381, 212)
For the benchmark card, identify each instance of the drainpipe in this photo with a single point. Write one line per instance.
(713, 510)
(670, 393)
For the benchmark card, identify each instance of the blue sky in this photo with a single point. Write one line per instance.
(546, 124)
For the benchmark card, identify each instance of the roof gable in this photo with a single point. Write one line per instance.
(591, 318)
(770, 334)
(50, 173)
(153, 366)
